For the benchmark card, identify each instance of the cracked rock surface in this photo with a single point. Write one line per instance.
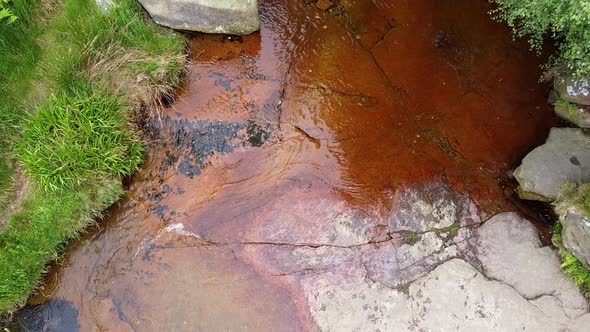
(511, 284)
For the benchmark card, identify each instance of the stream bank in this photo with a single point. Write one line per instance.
(330, 173)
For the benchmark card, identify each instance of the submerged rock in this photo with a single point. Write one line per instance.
(236, 17)
(575, 114)
(324, 4)
(429, 206)
(574, 90)
(52, 316)
(565, 156)
(576, 236)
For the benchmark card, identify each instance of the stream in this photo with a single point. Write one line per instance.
(283, 157)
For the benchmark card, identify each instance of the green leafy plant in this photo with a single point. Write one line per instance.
(6, 14)
(76, 137)
(567, 21)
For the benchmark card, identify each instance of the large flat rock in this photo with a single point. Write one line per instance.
(510, 252)
(237, 17)
(565, 156)
(512, 284)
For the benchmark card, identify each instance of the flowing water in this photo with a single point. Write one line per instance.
(298, 137)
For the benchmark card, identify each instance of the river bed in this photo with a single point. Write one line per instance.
(300, 138)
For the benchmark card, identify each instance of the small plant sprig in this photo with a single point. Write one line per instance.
(6, 15)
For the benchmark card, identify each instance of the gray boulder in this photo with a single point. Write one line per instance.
(236, 17)
(565, 156)
(510, 251)
(575, 114)
(576, 236)
(574, 90)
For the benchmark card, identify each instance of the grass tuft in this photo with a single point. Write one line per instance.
(77, 136)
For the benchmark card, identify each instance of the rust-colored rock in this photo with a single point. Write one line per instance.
(324, 4)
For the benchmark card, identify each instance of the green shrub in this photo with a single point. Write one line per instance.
(567, 21)
(78, 136)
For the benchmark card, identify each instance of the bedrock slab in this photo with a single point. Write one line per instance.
(494, 277)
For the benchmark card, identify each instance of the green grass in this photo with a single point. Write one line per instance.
(6, 15)
(68, 85)
(38, 232)
(76, 137)
(18, 56)
(571, 265)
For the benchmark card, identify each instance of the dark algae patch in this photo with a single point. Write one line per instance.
(51, 316)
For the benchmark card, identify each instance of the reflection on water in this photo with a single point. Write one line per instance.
(299, 136)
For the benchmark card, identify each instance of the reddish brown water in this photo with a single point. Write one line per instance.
(277, 135)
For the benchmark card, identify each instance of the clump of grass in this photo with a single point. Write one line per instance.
(18, 55)
(6, 15)
(109, 48)
(77, 136)
(571, 265)
(89, 71)
(37, 233)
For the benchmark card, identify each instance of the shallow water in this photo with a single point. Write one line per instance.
(291, 138)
